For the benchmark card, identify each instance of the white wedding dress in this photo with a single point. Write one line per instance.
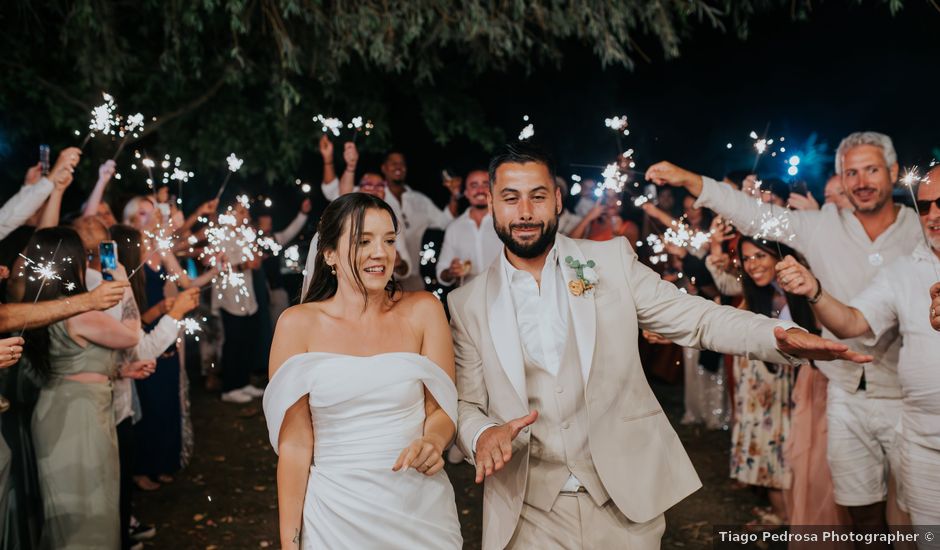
(365, 411)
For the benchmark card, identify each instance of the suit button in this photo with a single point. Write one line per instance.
(565, 425)
(559, 389)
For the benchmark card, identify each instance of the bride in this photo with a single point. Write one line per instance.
(362, 402)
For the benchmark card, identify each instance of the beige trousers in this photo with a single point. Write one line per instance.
(576, 522)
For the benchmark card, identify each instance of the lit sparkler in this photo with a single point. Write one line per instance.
(103, 119)
(234, 165)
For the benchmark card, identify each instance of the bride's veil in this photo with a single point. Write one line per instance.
(308, 268)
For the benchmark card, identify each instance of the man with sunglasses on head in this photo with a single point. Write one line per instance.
(895, 301)
(846, 249)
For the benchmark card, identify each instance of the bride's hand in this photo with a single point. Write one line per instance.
(424, 455)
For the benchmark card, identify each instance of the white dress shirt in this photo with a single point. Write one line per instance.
(465, 241)
(899, 298)
(416, 212)
(542, 319)
(21, 206)
(845, 260)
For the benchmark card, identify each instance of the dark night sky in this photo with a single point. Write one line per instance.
(848, 68)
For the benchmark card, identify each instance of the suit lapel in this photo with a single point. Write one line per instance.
(504, 330)
(583, 313)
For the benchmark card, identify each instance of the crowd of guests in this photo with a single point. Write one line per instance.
(95, 380)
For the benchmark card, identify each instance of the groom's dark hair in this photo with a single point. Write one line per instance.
(520, 153)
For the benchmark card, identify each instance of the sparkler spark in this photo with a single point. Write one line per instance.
(527, 132)
(329, 124)
(234, 163)
(618, 124)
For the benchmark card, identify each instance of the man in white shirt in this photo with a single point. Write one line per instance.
(470, 242)
(896, 300)
(846, 249)
(418, 212)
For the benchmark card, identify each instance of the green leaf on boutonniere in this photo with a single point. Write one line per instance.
(591, 264)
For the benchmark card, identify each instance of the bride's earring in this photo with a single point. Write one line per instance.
(333, 270)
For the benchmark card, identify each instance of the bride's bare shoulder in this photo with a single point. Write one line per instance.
(301, 315)
(419, 307)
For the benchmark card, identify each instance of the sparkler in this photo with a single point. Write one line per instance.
(527, 132)
(234, 165)
(190, 327)
(103, 118)
(133, 125)
(42, 271)
(329, 124)
(911, 178)
(160, 242)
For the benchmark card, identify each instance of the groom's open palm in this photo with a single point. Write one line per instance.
(494, 447)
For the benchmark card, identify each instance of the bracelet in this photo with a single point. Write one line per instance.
(818, 294)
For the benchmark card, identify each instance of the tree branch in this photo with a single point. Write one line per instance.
(58, 90)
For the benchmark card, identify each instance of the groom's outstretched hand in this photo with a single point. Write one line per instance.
(800, 343)
(494, 447)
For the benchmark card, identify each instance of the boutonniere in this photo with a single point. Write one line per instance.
(587, 277)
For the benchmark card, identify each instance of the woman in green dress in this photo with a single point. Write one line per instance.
(73, 422)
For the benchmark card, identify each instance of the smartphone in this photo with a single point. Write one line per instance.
(107, 251)
(650, 191)
(44, 159)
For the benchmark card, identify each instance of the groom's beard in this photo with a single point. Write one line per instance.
(531, 250)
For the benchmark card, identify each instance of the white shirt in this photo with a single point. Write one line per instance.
(235, 299)
(464, 241)
(899, 298)
(844, 259)
(542, 318)
(21, 206)
(416, 212)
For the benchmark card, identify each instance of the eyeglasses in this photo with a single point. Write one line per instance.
(924, 206)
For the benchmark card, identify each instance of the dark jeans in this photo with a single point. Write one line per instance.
(125, 436)
(241, 350)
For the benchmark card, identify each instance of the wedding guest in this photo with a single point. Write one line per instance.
(161, 433)
(604, 222)
(138, 364)
(238, 305)
(73, 423)
(470, 242)
(587, 199)
(271, 264)
(835, 194)
(895, 300)
(568, 220)
(847, 249)
(418, 211)
(37, 189)
(96, 205)
(761, 426)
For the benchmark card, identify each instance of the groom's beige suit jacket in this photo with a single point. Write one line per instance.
(636, 453)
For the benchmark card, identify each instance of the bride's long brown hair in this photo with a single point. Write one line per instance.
(352, 207)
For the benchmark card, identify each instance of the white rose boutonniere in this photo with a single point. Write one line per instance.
(586, 276)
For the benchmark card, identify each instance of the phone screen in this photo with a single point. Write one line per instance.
(44, 159)
(107, 250)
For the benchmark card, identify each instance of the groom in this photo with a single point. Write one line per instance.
(554, 408)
